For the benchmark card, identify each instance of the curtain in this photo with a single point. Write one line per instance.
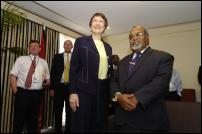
(52, 47)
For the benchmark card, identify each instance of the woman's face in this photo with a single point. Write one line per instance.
(98, 25)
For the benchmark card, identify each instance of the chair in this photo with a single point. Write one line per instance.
(188, 95)
(184, 117)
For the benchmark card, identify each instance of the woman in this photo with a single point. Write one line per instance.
(90, 70)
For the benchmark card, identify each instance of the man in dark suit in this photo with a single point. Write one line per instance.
(60, 86)
(140, 86)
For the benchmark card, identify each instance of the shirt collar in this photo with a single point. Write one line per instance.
(65, 54)
(144, 49)
(134, 55)
(32, 56)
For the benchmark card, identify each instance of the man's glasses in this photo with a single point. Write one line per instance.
(138, 34)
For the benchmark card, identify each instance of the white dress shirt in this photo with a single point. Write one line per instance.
(175, 83)
(21, 68)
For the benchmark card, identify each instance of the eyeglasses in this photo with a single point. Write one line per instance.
(138, 34)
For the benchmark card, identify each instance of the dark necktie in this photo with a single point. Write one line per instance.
(28, 81)
(133, 61)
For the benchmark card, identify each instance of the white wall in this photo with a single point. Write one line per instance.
(183, 41)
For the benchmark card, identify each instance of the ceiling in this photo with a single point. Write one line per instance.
(121, 15)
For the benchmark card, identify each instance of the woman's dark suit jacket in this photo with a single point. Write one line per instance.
(84, 65)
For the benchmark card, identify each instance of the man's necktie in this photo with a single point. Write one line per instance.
(133, 61)
(66, 71)
(28, 81)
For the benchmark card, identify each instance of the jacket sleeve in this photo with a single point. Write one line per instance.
(53, 73)
(114, 82)
(74, 68)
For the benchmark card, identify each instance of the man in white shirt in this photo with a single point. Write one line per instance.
(28, 76)
(175, 87)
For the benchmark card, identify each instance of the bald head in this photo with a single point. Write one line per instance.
(68, 46)
(141, 27)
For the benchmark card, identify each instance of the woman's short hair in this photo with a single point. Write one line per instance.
(101, 15)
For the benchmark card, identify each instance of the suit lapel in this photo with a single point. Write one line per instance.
(92, 44)
(140, 61)
(61, 59)
(106, 49)
(125, 69)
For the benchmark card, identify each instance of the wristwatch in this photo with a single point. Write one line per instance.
(115, 96)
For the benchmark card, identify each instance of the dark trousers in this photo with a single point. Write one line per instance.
(61, 96)
(92, 113)
(26, 109)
